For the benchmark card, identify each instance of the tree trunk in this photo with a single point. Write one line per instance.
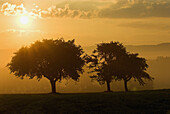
(108, 86)
(125, 84)
(53, 86)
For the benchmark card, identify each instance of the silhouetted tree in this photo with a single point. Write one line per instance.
(131, 66)
(102, 59)
(52, 59)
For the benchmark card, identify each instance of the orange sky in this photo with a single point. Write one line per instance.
(89, 22)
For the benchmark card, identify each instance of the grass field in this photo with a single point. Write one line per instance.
(157, 101)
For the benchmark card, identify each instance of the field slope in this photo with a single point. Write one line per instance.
(156, 101)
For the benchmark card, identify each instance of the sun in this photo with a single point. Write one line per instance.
(24, 20)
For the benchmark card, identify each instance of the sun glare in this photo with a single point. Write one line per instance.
(24, 20)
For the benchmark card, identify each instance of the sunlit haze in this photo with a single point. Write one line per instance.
(24, 20)
(141, 25)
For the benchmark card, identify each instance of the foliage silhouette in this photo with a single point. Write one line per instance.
(131, 66)
(52, 59)
(111, 61)
(101, 59)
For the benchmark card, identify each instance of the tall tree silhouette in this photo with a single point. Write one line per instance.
(102, 59)
(52, 59)
(131, 66)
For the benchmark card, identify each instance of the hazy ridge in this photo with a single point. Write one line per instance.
(147, 51)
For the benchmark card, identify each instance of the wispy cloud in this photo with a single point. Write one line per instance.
(91, 9)
(53, 11)
(66, 12)
(137, 9)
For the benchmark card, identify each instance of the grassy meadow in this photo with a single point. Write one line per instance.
(153, 101)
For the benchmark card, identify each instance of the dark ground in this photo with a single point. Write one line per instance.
(157, 101)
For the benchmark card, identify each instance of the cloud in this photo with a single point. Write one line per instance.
(137, 9)
(12, 9)
(53, 11)
(95, 9)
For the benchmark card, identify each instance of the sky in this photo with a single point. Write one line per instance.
(132, 22)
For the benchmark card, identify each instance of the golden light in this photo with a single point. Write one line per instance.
(24, 20)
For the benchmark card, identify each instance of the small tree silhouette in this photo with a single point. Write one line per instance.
(131, 66)
(101, 61)
(111, 61)
(52, 59)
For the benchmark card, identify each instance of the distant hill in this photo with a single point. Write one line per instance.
(148, 51)
(158, 47)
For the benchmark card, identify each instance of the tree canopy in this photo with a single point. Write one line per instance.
(131, 66)
(111, 61)
(101, 59)
(52, 59)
